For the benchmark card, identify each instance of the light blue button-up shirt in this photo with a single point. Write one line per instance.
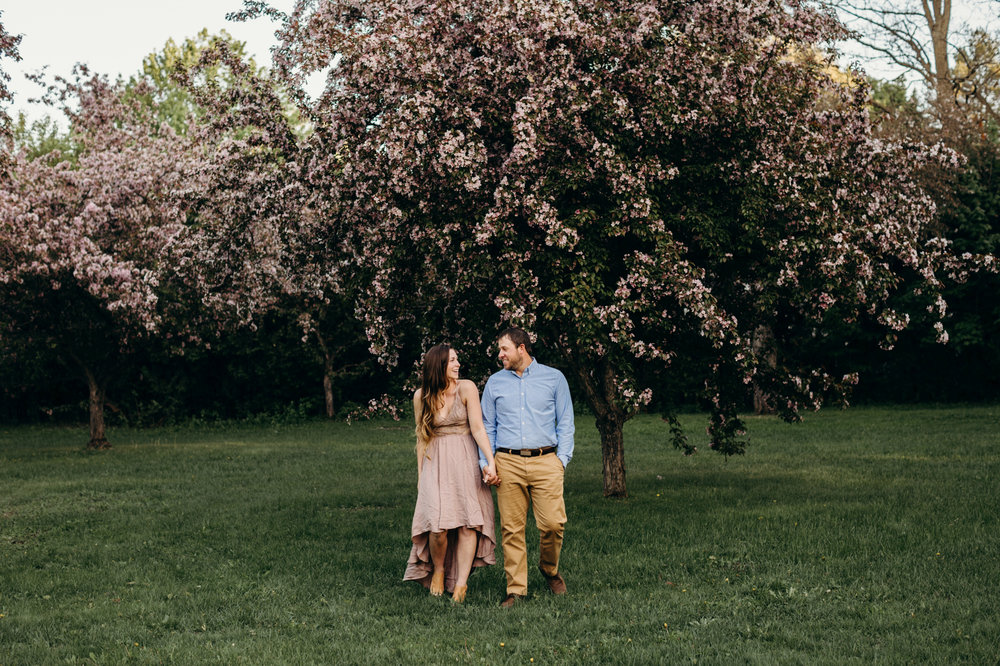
(530, 411)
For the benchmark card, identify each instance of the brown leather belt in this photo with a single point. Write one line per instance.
(528, 453)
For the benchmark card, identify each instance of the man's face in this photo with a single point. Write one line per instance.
(513, 358)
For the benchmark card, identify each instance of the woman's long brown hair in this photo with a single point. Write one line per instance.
(432, 388)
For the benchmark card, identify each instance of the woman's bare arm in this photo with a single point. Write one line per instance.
(418, 408)
(470, 396)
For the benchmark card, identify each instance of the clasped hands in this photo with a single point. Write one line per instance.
(490, 476)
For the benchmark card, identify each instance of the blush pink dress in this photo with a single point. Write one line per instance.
(451, 494)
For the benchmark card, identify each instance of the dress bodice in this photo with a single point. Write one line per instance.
(456, 422)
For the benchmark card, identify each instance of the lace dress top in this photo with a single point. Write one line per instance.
(455, 422)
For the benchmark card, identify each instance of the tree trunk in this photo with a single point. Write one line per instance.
(612, 456)
(938, 16)
(763, 346)
(597, 378)
(761, 406)
(98, 440)
(327, 374)
(328, 385)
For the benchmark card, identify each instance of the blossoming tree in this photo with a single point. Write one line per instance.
(638, 182)
(147, 236)
(88, 244)
(8, 49)
(274, 242)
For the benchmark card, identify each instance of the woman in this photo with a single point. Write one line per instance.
(452, 527)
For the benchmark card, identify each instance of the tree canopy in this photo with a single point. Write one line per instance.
(148, 234)
(636, 183)
(8, 49)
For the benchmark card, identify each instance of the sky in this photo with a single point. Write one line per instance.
(113, 36)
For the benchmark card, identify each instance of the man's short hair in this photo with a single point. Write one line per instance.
(518, 337)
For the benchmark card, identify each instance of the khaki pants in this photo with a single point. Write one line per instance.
(524, 482)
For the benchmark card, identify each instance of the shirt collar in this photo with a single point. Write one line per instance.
(527, 370)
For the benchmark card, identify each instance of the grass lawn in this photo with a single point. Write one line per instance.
(864, 536)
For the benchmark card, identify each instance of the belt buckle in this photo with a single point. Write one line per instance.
(524, 453)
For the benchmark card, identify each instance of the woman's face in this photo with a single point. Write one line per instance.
(453, 366)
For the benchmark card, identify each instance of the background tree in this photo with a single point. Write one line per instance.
(169, 75)
(977, 70)
(948, 93)
(261, 185)
(86, 267)
(637, 183)
(43, 136)
(8, 49)
(250, 259)
(955, 67)
(912, 35)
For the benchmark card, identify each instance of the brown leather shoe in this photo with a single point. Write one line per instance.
(556, 583)
(510, 600)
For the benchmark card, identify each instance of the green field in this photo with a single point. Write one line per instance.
(866, 536)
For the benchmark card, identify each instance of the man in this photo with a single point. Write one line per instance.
(528, 416)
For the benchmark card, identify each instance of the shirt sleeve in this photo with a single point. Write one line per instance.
(489, 408)
(565, 424)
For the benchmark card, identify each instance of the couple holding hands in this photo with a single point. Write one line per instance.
(519, 438)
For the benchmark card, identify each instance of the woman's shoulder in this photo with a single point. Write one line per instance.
(416, 396)
(468, 387)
